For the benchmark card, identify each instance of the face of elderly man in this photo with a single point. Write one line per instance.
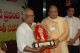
(28, 16)
(53, 12)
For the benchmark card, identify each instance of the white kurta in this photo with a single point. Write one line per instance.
(74, 25)
(25, 37)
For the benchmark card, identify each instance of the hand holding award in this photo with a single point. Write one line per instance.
(42, 38)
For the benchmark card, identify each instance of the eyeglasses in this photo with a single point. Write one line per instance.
(30, 15)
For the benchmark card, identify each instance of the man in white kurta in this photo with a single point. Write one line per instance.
(24, 37)
(74, 27)
(24, 33)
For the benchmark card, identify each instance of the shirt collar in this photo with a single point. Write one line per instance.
(68, 16)
(53, 19)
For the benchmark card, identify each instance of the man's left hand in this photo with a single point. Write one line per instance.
(56, 43)
(72, 41)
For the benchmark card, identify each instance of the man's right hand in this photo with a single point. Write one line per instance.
(34, 50)
(39, 49)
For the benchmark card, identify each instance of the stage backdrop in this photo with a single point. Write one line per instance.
(10, 18)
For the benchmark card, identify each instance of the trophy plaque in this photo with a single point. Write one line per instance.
(41, 34)
(49, 43)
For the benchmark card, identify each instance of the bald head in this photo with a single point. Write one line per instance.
(53, 11)
(53, 7)
(27, 11)
(28, 15)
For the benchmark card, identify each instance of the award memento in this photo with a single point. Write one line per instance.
(49, 43)
(42, 39)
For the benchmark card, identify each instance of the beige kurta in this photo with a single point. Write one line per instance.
(57, 29)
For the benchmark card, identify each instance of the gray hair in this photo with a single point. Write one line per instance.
(24, 14)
